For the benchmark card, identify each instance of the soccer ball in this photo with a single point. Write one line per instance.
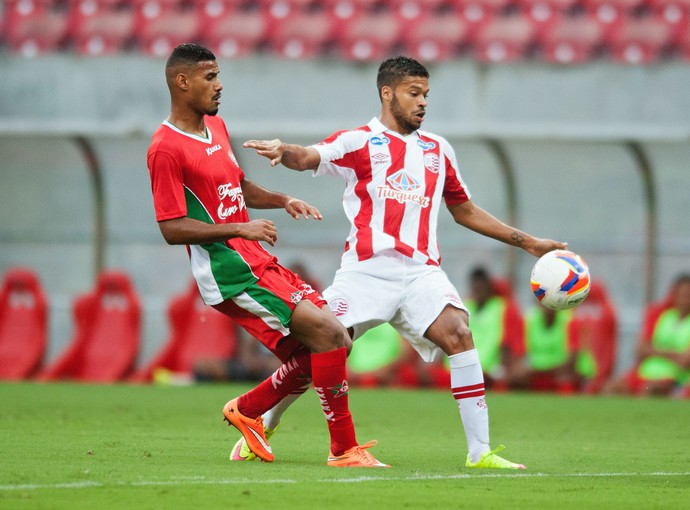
(560, 280)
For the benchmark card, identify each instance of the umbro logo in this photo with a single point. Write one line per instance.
(213, 149)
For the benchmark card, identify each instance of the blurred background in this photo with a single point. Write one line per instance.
(570, 120)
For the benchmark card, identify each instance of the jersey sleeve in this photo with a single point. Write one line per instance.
(338, 152)
(167, 186)
(454, 190)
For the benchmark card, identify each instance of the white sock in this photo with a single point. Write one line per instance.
(467, 385)
(272, 416)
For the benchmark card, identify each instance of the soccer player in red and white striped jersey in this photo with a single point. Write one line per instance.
(201, 197)
(397, 177)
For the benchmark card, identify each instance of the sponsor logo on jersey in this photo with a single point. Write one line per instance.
(402, 188)
(213, 149)
(379, 140)
(431, 162)
(380, 158)
(426, 146)
(339, 307)
(236, 198)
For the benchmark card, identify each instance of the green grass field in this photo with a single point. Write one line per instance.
(118, 447)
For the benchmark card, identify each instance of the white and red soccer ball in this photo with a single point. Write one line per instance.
(560, 280)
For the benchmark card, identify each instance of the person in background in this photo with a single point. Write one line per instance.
(593, 333)
(497, 327)
(376, 357)
(549, 361)
(662, 365)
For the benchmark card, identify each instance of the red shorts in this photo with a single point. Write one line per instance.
(265, 308)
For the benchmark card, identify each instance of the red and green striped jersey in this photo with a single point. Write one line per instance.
(198, 177)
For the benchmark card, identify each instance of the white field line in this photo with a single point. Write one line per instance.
(361, 479)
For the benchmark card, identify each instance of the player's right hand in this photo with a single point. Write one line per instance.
(271, 149)
(260, 230)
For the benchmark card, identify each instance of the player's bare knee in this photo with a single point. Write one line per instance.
(459, 340)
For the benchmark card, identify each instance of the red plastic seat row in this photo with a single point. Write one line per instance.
(233, 29)
(107, 327)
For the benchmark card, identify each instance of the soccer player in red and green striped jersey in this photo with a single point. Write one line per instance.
(201, 197)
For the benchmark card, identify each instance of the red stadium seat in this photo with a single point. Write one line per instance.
(369, 35)
(302, 34)
(640, 40)
(232, 32)
(437, 36)
(197, 331)
(281, 9)
(682, 42)
(347, 9)
(570, 40)
(23, 324)
(161, 26)
(34, 27)
(409, 10)
(673, 12)
(106, 338)
(480, 11)
(504, 38)
(100, 27)
(543, 11)
(594, 329)
(610, 12)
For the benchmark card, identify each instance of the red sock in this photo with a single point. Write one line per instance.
(291, 377)
(330, 382)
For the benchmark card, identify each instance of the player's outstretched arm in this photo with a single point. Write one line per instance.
(292, 156)
(477, 219)
(258, 197)
(190, 231)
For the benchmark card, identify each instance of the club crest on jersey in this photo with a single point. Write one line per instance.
(431, 162)
(426, 146)
(231, 155)
(402, 187)
(236, 197)
(296, 297)
(379, 140)
(211, 150)
(339, 307)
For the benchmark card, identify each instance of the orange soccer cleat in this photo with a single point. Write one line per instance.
(252, 429)
(357, 456)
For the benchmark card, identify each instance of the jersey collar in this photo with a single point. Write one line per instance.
(207, 139)
(377, 128)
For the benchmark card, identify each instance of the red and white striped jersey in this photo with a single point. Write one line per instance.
(394, 187)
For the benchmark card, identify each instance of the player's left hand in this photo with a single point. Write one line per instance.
(296, 208)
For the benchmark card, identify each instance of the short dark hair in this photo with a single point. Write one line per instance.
(189, 53)
(480, 273)
(394, 70)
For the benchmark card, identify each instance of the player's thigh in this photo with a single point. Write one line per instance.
(265, 309)
(433, 310)
(362, 300)
(317, 328)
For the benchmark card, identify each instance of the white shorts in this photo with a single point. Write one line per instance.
(395, 289)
